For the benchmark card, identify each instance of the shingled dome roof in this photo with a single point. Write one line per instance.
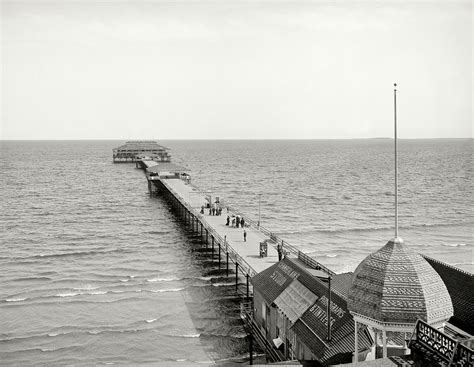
(396, 286)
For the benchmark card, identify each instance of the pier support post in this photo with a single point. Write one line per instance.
(201, 232)
(219, 255)
(248, 293)
(227, 261)
(207, 237)
(250, 347)
(236, 275)
(212, 239)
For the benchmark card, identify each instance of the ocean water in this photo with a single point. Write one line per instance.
(95, 271)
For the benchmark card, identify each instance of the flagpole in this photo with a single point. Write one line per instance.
(396, 159)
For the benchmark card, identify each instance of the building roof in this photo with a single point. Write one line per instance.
(141, 145)
(341, 347)
(303, 298)
(341, 283)
(460, 285)
(167, 167)
(271, 282)
(395, 285)
(315, 320)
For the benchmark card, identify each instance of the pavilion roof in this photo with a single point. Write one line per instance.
(397, 286)
(139, 145)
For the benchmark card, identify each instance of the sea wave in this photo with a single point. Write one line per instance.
(15, 299)
(27, 279)
(167, 290)
(222, 284)
(153, 280)
(66, 254)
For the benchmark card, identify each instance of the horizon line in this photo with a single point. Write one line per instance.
(240, 139)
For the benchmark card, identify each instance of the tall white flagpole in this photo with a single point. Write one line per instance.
(396, 159)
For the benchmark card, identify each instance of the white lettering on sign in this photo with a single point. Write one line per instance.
(335, 309)
(288, 270)
(278, 277)
(321, 314)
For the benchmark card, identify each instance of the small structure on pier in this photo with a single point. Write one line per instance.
(132, 151)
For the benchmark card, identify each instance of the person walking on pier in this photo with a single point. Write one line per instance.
(228, 221)
(237, 223)
(280, 251)
(242, 222)
(245, 235)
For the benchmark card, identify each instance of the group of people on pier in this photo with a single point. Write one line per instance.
(235, 221)
(214, 209)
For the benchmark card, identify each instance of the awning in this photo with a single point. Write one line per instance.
(295, 300)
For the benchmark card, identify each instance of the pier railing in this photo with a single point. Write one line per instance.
(436, 346)
(246, 313)
(287, 247)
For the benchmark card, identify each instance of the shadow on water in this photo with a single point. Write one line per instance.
(213, 301)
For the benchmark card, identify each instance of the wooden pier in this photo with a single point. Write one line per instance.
(257, 252)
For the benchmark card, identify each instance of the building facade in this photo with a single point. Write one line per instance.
(291, 311)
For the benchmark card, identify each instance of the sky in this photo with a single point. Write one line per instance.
(235, 69)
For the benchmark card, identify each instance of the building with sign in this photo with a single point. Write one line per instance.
(291, 312)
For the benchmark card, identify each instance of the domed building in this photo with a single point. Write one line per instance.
(394, 287)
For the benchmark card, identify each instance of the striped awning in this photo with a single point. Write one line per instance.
(295, 300)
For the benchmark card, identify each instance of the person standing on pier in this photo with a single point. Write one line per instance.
(228, 221)
(237, 223)
(242, 222)
(245, 235)
(280, 251)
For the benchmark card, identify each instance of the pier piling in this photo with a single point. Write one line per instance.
(236, 275)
